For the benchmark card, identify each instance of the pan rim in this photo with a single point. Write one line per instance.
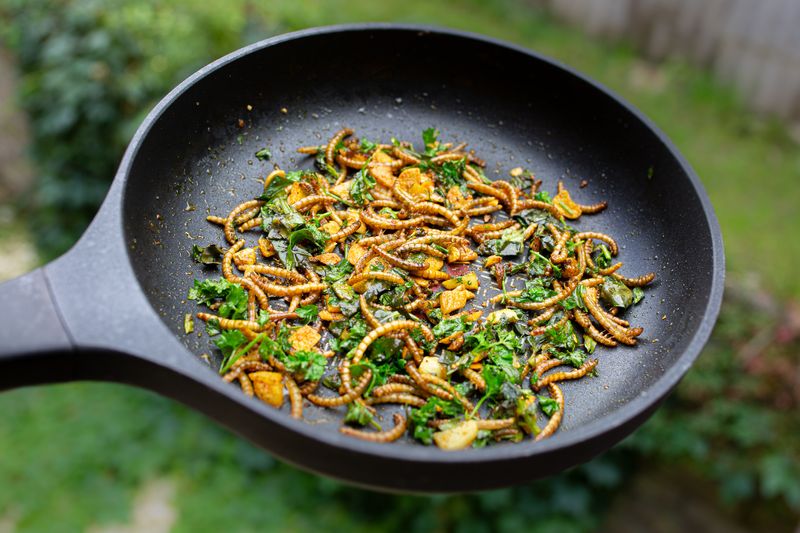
(624, 415)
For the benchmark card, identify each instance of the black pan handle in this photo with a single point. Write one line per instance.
(34, 346)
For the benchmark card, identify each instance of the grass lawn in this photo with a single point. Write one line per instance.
(74, 455)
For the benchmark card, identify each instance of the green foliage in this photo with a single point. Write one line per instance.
(90, 70)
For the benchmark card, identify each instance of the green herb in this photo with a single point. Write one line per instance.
(509, 243)
(548, 405)
(228, 342)
(279, 183)
(338, 272)
(347, 335)
(367, 146)
(420, 417)
(615, 293)
(430, 139)
(188, 323)
(359, 415)
(575, 299)
(450, 173)
(308, 313)
(264, 154)
(210, 255)
(638, 294)
(233, 296)
(589, 344)
(450, 326)
(278, 212)
(310, 365)
(309, 234)
(535, 291)
(363, 182)
(526, 413)
(602, 256)
(543, 196)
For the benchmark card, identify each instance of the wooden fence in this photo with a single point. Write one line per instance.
(752, 44)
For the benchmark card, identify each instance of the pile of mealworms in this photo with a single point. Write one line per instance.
(415, 281)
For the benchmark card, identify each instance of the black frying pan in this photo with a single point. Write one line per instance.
(112, 308)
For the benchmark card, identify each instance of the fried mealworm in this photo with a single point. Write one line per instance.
(331, 146)
(398, 261)
(396, 325)
(376, 274)
(401, 398)
(346, 398)
(295, 397)
(555, 420)
(381, 436)
(280, 290)
(584, 369)
(640, 281)
(230, 233)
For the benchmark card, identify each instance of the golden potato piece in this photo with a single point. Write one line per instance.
(500, 315)
(245, 256)
(265, 247)
(454, 300)
(327, 316)
(492, 260)
(455, 196)
(268, 387)
(355, 252)
(469, 280)
(458, 437)
(566, 206)
(418, 185)
(434, 263)
(431, 365)
(331, 227)
(296, 193)
(343, 190)
(304, 339)
(326, 259)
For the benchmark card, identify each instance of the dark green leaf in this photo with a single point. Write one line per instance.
(210, 255)
(264, 154)
(548, 405)
(308, 313)
(615, 293)
(310, 365)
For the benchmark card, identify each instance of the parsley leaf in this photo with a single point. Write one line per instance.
(308, 313)
(234, 297)
(210, 255)
(264, 154)
(535, 291)
(311, 365)
(279, 183)
(548, 405)
(359, 415)
(363, 182)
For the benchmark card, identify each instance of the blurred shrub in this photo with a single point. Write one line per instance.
(90, 70)
(734, 418)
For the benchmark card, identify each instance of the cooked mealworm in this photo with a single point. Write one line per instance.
(404, 156)
(640, 281)
(230, 234)
(308, 201)
(559, 253)
(378, 332)
(251, 307)
(401, 398)
(227, 259)
(511, 195)
(397, 261)
(279, 273)
(586, 235)
(308, 387)
(346, 398)
(381, 436)
(345, 232)
(593, 208)
(496, 234)
(250, 224)
(474, 378)
(216, 220)
(310, 150)
(495, 226)
(280, 290)
(543, 367)
(541, 330)
(255, 290)
(331, 146)
(247, 215)
(377, 239)
(428, 387)
(584, 369)
(555, 420)
(522, 205)
(391, 204)
(395, 388)
(378, 275)
(541, 317)
(355, 161)
(495, 424)
(424, 248)
(447, 156)
(432, 274)
(440, 238)
(583, 320)
(372, 219)
(227, 323)
(477, 211)
(295, 397)
(616, 331)
(246, 384)
(489, 191)
(430, 208)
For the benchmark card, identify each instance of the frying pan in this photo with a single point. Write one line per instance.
(112, 307)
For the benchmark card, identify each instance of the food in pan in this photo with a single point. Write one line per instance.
(357, 285)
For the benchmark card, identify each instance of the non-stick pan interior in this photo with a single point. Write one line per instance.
(512, 108)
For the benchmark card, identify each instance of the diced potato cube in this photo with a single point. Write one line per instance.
(434, 263)
(470, 281)
(458, 437)
(266, 247)
(327, 259)
(455, 196)
(453, 254)
(331, 227)
(566, 206)
(454, 300)
(355, 252)
(343, 190)
(492, 260)
(382, 173)
(268, 387)
(417, 184)
(245, 256)
(431, 365)
(507, 315)
(296, 193)
(304, 338)
(327, 316)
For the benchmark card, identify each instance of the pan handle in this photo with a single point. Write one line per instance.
(34, 345)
